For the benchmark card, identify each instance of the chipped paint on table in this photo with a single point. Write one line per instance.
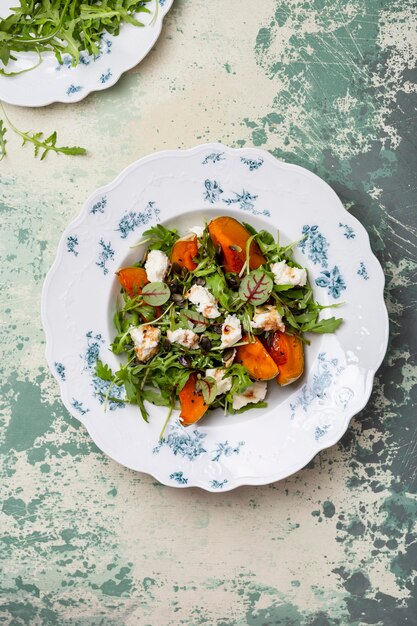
(331, 86)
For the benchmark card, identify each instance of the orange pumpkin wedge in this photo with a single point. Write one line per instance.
(257, 360)
(231, 236)
(184, 251)
(192, 402)
(132, 279)
(288, 353)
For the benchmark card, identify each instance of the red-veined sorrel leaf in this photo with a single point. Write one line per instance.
(197, 322)
(156, 293)
(255, 288)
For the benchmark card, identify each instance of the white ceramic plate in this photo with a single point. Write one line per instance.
(52, 82)
(182, 189)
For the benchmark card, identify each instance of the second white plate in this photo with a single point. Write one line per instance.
(51, 82)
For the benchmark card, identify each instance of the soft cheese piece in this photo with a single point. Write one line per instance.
(204, 301)
(286, 275)
(223, 384)
(231, 331)
(254, 393)
(156, 266)
(146, 340)
(267, 318)
(185, 338)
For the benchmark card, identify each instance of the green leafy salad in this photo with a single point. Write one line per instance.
(205, 320)
(68, 27)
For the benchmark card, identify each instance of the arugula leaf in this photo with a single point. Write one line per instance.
(216, 283)
(41, 146)
(160, 238)
(326, 326)
(248, 407)
(3, 141)
(103, 371)
(155, 398)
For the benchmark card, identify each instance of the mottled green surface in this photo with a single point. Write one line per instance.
(330, 85)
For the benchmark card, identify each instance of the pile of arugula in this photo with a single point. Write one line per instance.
(64, 26)
(161, 378)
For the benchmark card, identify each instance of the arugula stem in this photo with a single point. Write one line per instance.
(153, 20)
(158, 318)
(161, 434)
(28, 69)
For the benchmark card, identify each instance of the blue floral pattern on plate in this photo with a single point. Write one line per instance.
(321, 380)
(183, 442)
(72, 243)
(105, 77)
(213, 191)
(72, 89)
(314, 245)
(320, 431)
(333, 280)
(349, 232)
(245, 200)
(218, 484)
(79, 407)
(99, 206)
(253, 164)
(213, 157)
(105, 391)
(105, 255)
(362, 271)
(179, 478)
(60, 370)
(225, 449)
(135, 219)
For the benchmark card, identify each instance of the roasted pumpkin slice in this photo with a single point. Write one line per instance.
(288, 353)
(132, 279)
(192, 402)
(231, 237)
(184, 251)
(257, 360)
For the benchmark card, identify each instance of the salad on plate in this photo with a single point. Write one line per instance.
(206, 319)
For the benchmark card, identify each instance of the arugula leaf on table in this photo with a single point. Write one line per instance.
(41, 146)
(3, 141)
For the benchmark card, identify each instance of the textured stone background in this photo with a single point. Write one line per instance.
(330, 85)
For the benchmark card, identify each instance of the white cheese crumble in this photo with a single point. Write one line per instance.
(184, 337)
(204, 301)
(267, 318)
(286, 275)
(156, 266)
(146, 340)
(231, 331)
(223, 384)
(254, 393)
